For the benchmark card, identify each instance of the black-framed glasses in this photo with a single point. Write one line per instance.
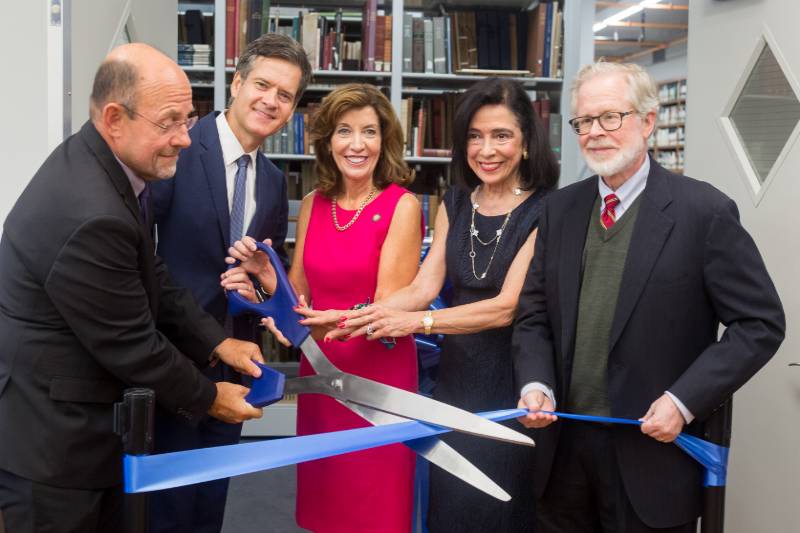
(609, 121)
(172, 127)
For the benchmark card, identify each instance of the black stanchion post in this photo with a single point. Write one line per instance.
(718, 431)
(133, 422)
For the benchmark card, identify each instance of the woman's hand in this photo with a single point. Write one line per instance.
(376, 321)
(237, 279)
(254, 261)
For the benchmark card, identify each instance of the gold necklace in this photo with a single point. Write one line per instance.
(361, 207)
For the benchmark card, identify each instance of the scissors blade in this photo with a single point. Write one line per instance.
(437, 452)
(407, 404)
(403, 403)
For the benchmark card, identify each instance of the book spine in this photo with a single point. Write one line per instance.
(407, 41)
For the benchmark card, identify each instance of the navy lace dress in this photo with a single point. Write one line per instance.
(475, 373)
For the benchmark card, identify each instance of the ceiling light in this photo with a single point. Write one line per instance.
(622, 15)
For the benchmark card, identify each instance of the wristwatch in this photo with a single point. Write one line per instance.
(427, 322)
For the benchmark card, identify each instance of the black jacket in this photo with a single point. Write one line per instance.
(86, 310)
(690, 267)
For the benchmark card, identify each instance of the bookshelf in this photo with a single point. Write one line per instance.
(418, 95)
(667, 143)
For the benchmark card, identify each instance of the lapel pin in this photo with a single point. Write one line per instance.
(376, 217)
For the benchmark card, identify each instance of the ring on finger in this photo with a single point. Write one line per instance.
(370, 331)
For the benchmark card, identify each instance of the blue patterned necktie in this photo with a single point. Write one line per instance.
(239, 193)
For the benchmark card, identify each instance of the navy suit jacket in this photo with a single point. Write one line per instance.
(691, 266)
(193, 219)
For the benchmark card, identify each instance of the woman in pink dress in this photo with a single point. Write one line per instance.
(358, 240)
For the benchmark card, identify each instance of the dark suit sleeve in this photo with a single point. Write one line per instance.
(532, 342)
(193, 331)
(745, 299)
(282, 225)
(96, 285)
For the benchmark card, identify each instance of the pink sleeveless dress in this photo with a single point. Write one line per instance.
(372, 490)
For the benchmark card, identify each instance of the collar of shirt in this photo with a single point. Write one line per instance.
(137, 183)
(628, 191)
(231, 147)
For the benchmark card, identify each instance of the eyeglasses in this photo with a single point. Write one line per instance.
(171, 128)
(609, 121)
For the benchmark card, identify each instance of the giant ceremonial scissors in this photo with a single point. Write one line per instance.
(376, 402)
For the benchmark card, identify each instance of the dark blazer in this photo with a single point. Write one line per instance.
(86, 310)
(690, 267)
(193, 219)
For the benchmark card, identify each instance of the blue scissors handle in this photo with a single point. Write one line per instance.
(280, 306)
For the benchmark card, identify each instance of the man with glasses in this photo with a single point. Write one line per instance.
(633, 272)
(87, 309)
(224, 188)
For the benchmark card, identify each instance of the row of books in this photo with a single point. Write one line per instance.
(671, 91)
(245, 20)
(333, 44)
(293, 137)
(671, 114)
(195, 55)
(671, 160)
(668, 138)
(528, 42)
(195, 28)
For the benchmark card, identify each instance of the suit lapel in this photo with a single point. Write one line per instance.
(112, 167)
(123, 186)
(213, 166)
(653, 227)
(573, 237)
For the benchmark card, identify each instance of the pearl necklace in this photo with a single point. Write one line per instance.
(361, 207)
(473, 232)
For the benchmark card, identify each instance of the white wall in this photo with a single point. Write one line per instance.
(26, 78)
(764, 465)
(151, 21)
(23, 135)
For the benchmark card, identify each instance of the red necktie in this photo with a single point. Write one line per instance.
(608, 217)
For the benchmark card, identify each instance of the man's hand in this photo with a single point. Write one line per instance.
(663, 421)
(536, 401)
(230, 406)
(240, 355)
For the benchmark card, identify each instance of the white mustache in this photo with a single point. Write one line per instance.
(600, 146)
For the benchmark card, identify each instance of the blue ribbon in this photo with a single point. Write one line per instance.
(713, 457)
(145, 473)
(167, 470)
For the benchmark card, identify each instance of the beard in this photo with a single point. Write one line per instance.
(624, 158)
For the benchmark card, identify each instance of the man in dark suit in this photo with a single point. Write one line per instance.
(87, 309)
(224, 188)
(633, 272)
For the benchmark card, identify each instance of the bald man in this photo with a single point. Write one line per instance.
(87, 309)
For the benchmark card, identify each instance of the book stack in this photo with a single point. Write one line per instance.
(477, 40)
(194, 55)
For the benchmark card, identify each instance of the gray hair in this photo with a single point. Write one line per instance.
(277, 46)
(642, 91)
(115, 81)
